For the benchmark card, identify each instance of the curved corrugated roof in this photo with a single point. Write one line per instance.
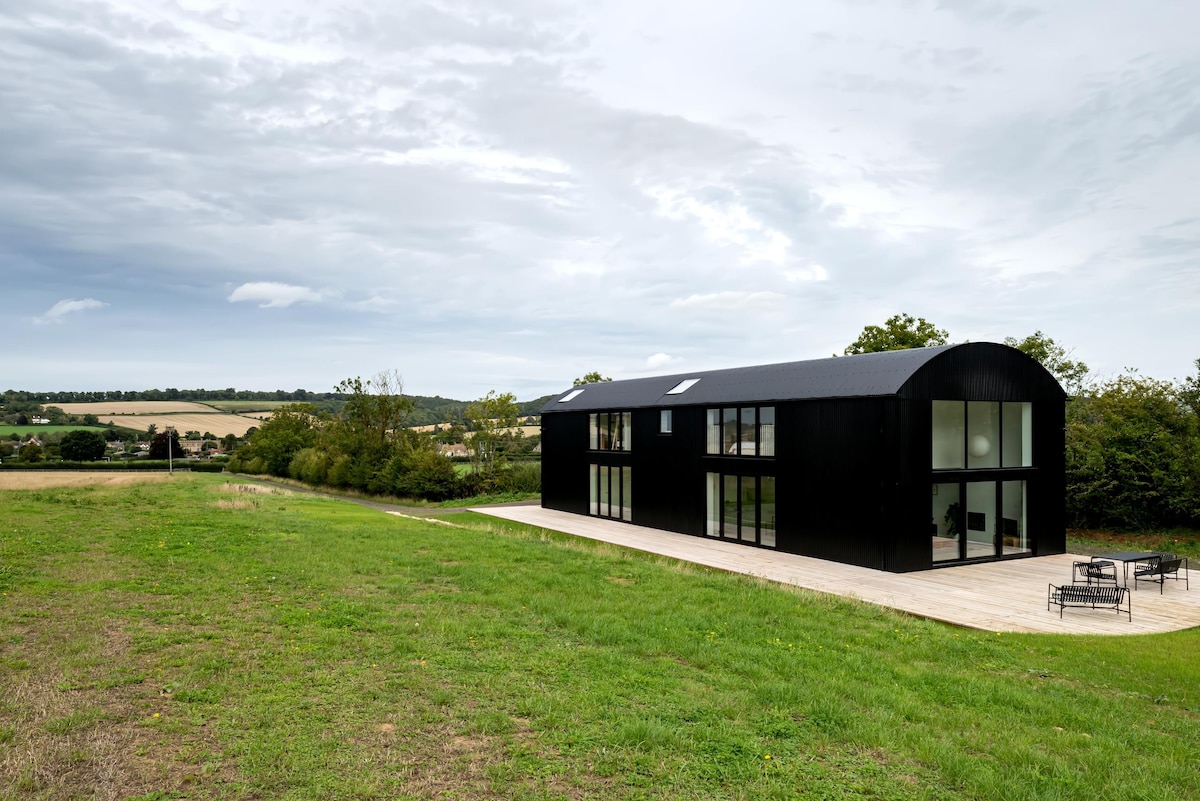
(865, 375)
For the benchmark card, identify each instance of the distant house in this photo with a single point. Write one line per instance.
(38, 420)
(454, 450)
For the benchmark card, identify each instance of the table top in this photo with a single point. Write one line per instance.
(1127, 556)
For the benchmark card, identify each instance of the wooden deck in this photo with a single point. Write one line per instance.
(996, 596)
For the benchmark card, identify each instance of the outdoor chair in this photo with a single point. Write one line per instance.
(1098, 571)
(1159, 570)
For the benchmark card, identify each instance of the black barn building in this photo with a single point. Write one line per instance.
(898, 461)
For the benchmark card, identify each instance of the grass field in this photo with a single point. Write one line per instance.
(6, 431)
(197, 638)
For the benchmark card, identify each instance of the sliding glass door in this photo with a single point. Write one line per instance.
(978, 520)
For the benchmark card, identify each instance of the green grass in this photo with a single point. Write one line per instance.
(6, 430)
(180, 639)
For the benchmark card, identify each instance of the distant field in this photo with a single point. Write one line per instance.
(133, 407)
(5, 431)
(217, 423)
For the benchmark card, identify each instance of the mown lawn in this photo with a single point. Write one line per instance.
(190, 639)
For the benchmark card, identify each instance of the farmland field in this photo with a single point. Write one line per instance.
(11, 480)
(216, 423)
(202, 638)
(133, 407)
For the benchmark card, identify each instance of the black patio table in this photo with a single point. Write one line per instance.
(1126, 557)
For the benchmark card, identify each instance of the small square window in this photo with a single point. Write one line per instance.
(664, 421)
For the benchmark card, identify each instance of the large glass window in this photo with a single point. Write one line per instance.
(740, 508)
(748, 431)
(978, 435)
(949, 429)
(947, 522)
(610, 431)
(1014, 537)
(981, 518)
(1017, 424)
(611, 491)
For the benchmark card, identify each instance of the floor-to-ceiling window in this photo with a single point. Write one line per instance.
(982, 457)
(741, 508)
(611, 486)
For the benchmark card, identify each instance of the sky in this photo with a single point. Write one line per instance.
(507, 195)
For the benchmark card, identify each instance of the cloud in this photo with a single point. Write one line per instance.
(275, 295)
(65, 307)
(659, 361)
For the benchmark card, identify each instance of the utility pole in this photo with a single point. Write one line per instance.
(170, 463)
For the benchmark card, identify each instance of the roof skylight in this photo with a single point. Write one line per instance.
(683, 386)
(572, 395)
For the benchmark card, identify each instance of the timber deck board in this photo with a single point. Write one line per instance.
(1007, 596)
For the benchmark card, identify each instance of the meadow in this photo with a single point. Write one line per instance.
(203, 637)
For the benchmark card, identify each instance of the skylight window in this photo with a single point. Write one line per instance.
(572, 395)
(683, 386)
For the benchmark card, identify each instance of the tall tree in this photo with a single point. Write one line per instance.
(490, 420)
(1189, 391)
(900, 332)
(290, 429)
(1055, 358)
(82, 446)
(166, 445)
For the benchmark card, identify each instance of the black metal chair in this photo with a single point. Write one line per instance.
(1159, 570)
(1098, 571)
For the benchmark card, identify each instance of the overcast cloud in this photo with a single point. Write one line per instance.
(508, 195)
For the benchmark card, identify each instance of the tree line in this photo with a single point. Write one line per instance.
(1132, 442)
(369, 446)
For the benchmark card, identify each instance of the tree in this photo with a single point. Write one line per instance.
(1189, 391)
(490, 420)
(590, 378)
(151, 429)
(31, 452)
(229, 442)
(1133, 456)
(1055, 358)
(290, 429)
(900, 332)
(82, 446)
(166, 445)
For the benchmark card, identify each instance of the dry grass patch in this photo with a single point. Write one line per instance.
(30, 480)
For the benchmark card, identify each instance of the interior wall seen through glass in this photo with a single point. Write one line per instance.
(766, 431)
(626, 494)
(729, 520)
(949, 429)
(712, 493)
(983, 434)
(749, 513)
(713, 431)
(766, 511)
(1014, 534)
(604, 496)
(1017, 423)
(980, 521)
(664, 421)
(946, 522)
(594, 481)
